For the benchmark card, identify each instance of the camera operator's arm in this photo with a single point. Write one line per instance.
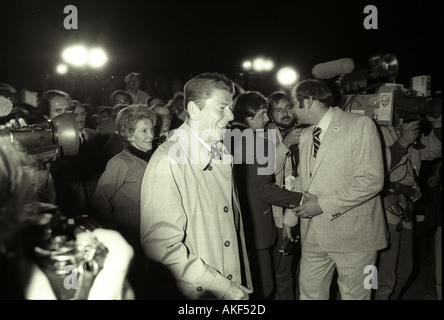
(110, 283)
(409, 132)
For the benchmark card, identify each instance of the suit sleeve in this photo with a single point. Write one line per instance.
(368, 174)
(264, 184)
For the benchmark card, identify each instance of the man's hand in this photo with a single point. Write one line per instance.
(309, 207)
(409, 133)
(292, 137)
(235, 292)
(13, 124)
(287, 232)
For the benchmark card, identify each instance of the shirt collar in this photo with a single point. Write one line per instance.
(325, 121)
(204, 158)
(204, 144)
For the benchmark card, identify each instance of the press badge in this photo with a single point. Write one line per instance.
(290, 182)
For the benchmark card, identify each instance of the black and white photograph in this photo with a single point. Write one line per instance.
(185, 155)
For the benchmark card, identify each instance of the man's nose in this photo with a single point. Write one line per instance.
(229, 114)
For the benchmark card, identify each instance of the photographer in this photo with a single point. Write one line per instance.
(403, 164)
(288, 134)
(20, 275)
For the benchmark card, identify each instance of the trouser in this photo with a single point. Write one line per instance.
(285, 270)
(317, 269)
(395, 264)
(262, 273)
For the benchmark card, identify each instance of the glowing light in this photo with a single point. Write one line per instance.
(258, 64)
(97, 58)
(76, 55)
(246, 65)
(268, 65)
(287, 76)
(62, 68)
(80, 56)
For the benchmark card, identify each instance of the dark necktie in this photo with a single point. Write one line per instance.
(82, 138)
(162, 139)
(316, 140)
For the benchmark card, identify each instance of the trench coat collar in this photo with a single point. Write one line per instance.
(197, 151)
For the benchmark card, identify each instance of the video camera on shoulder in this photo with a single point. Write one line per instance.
(53, 137)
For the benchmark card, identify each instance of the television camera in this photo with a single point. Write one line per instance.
(384, 101)
(46, 140)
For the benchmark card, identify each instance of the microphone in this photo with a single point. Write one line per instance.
(5, 106)
(333, 68)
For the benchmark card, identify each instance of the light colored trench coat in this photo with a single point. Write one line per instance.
(190, 218)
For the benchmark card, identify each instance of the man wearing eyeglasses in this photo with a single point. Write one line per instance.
(121, 97)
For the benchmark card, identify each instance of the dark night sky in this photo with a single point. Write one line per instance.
(197, 36)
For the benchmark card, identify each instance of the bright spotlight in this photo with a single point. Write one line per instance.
(258, 64)
(62, 68)
(76, 55)
(97, 58)
(246, 65)
(268, 65)
(287, 76)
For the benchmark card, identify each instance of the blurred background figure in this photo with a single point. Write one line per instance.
(117, 196)
(132, 82)
(117, 100)
(120, 97)
(164, 120)
(177, 109)
(79, 174)
(53, 103)
(153, 102)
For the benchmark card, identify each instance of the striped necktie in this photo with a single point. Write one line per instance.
(316, 140)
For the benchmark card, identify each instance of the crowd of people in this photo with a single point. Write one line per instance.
(185, 190)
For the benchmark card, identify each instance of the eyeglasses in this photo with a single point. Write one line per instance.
(166, 116)
(82, 114)
(122, 101)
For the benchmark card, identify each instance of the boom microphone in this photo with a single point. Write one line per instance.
(333, 68)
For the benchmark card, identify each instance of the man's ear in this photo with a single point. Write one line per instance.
(308, 102)
(193, 110)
